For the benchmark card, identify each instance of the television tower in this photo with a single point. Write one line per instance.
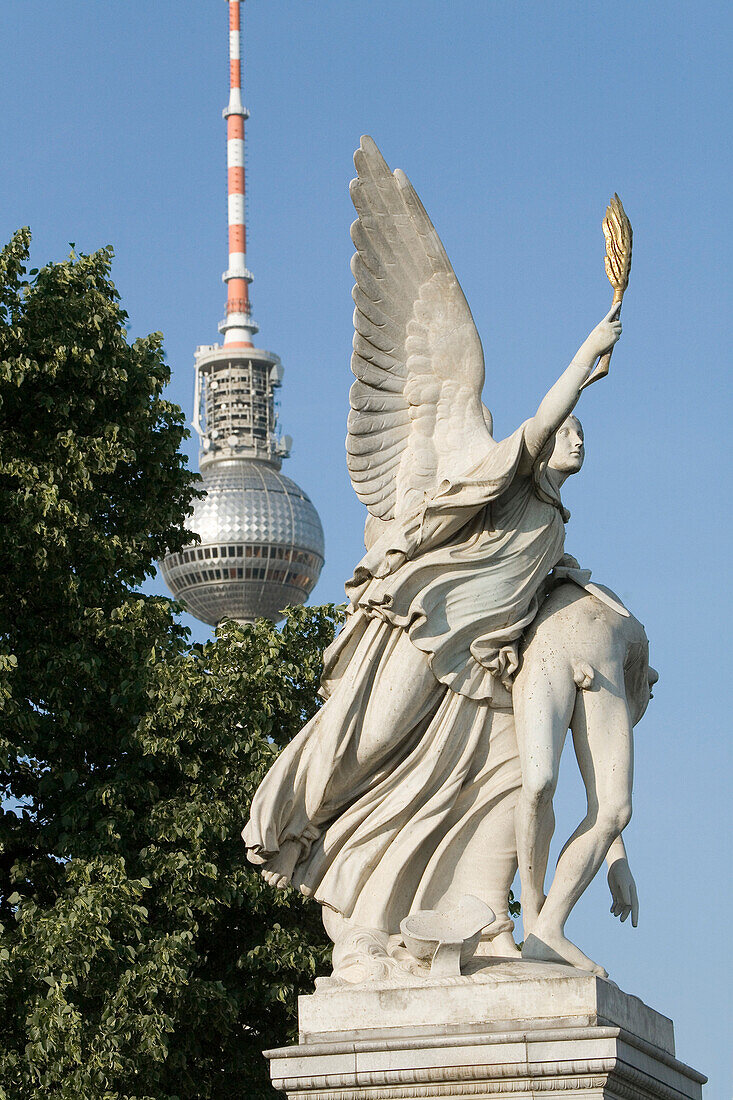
(261, 545)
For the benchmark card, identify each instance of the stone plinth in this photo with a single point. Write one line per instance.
(506, 1029)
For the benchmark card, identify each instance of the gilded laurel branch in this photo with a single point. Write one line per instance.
(619, 241)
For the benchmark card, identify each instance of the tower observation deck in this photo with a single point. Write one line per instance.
(261, 541)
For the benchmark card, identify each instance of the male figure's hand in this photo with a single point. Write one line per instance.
(623, 891)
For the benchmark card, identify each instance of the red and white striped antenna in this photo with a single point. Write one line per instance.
(238, 326)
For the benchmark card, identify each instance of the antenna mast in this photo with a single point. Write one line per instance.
(238, 326)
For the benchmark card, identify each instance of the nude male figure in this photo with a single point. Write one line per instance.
(585, 666)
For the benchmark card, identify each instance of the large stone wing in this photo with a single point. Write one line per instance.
(416, 414)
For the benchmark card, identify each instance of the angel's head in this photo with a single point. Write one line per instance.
(568, 451)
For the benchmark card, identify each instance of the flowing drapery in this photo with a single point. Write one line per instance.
(397, 797)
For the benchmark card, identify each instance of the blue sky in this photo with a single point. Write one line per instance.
(516, 122)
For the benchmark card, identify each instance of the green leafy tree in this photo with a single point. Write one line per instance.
(139, 957)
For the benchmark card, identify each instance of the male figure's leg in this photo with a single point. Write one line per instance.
(543, 696)
(603, 739)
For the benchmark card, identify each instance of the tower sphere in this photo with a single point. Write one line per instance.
(261, 545)
(261, 541)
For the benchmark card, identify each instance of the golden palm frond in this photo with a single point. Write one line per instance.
(619, 241)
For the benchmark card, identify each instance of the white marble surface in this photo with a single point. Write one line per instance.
(400, 793)
(491, 992)
(585, 665)
(507, 1029)
(447, 939)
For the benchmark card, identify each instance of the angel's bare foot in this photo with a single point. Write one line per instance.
(558, 949)
(501, 946)
(278, 871)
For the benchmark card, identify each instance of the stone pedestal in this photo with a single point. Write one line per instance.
(516, 1029)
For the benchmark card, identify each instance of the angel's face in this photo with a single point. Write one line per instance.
(569, 450)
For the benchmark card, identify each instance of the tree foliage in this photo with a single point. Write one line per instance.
(139, 956)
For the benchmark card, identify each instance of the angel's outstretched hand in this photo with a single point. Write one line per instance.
(623, 891)
(604, 335)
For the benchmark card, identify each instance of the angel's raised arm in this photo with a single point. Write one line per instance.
(562, 398)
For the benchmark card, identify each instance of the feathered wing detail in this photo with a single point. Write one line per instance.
(416, 413)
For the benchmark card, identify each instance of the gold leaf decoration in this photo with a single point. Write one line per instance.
(619, 240)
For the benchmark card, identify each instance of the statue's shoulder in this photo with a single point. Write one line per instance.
(584, 601)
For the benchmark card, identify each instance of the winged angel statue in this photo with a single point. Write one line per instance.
(400, 794)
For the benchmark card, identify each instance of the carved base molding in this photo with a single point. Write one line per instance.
(566, 1033)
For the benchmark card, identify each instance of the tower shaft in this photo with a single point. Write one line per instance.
(238, 326)
(234, 401)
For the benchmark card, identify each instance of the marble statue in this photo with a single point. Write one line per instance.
(585, 665)
(411, 790)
